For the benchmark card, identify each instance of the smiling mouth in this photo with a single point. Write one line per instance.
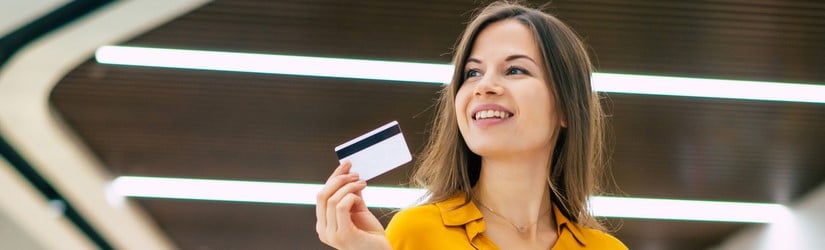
(491, 114)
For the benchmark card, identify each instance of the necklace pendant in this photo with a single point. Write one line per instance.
(521, 229)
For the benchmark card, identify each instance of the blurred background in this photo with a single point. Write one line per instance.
(70, 125)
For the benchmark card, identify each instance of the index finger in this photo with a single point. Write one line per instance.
(323, 195)
(341, 169)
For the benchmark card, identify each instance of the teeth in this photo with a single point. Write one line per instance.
(490, 114)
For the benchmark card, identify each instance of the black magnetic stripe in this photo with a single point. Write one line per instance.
(9, 45)
(368, 142)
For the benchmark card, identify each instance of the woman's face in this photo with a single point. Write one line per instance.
(505, 107)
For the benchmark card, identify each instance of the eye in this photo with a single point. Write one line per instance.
(471, 73)
(516, 71)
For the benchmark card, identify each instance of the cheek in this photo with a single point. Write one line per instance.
(542, 106)
(461, 101)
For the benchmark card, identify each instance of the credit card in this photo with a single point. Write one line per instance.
(375, 152)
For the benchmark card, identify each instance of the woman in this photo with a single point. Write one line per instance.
(515, 154)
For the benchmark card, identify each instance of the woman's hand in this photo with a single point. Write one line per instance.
(344, 222)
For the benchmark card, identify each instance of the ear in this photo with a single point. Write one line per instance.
(563, 121)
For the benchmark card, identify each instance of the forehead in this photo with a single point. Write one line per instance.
(504, 38)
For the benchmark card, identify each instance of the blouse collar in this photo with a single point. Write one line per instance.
(455, 213)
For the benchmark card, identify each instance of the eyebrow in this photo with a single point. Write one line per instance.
(471, 59)
(509, 58)
(518, 56)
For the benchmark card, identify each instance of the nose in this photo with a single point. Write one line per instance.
(488, 85)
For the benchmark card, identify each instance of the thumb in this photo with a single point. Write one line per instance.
(343, 211)
(360, 205)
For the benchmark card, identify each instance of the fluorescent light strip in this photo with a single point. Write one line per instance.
(394, 197)
(442, 73)
(275, 64)
(693, 210)
(250, 191)
(708, 88)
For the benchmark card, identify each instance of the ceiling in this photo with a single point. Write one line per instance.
(16, 14)
(184, 123)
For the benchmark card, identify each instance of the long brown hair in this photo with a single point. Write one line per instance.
(447, 165)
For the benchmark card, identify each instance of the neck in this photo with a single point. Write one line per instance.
(516, 189)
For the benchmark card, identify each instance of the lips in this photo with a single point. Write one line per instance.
(490, 111)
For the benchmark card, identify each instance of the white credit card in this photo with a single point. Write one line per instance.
(375, 152)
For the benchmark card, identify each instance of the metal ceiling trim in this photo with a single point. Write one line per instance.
(11, 44)
(39, 143)
(32, 221)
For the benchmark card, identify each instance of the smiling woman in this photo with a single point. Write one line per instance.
(515, 152)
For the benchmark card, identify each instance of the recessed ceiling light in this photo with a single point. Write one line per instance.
(250, 191)
(692, 210)
(275, 64)
(442, 73)
(396, 197)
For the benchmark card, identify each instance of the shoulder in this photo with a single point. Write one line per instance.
(407, 226)
(438, 225)
(415, 219)
(597, 239)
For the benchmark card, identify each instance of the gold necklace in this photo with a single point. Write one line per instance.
(520, 229)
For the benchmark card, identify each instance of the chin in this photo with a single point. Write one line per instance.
(486, 149)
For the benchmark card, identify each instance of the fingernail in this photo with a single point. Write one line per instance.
(353, 174)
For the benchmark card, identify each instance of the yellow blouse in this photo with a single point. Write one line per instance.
(443, 226)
